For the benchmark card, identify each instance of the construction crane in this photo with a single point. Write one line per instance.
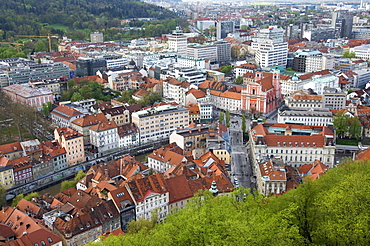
(16, 45)
(36, 36)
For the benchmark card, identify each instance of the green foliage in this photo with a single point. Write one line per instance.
(81, 174)
(221, 117)
(290, 69)
(150, 98)
(126, 97)
(228, 118)
(40, 46)
(73, 17)
(10, 52)
(226, 69)
(345, 125)
(332, 210)
(68, 184)
(31, 195)
(348, 54)
(17, 199)
(2, 196)
(21, 196)
(72, 183)
(85, 90)
(239, 80)
(244, 123)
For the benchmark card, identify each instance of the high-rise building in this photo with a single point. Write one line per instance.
(96, 37)
(89, 66)
(178, 42)
(223, 52)
(342, 22)
(224, 28)
(270, 48)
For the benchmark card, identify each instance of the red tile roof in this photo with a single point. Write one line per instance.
(103, 126)
(11, 147)
(179, 188)
(89, 120)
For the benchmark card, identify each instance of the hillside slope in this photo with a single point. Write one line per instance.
(35, 17)
(330, 211)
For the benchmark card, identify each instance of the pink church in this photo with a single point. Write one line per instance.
(262, 92)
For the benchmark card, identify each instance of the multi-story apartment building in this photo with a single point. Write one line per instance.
(12, 150)
(348, 64)
(166, 157)
(271, 179)
(191, 62)
(184, 74)
(178, 42)
(305, 99)
(294, 144)
(244, 68)
(128, 136)
(82, 125)
(72, 142)
(21, 70)
(361, 77)
(159, 122)
(150, 193)
(29, 96)
(127, 81)
(205, 24)
(319, 34)
(190, 138)
(175, 90)
(308, 61)
(229, 99)
(6, 173)
(203, 51)
(104, 137)
(223, 28)
(305, 116)
(223, 51)
(270, 48)
(63, 115)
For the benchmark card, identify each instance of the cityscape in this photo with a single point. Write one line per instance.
(184, 123)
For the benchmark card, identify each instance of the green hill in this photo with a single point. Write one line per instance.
(333, 210)
(37, 17)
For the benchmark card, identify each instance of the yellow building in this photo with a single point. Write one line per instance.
(6, 173)
(73, 143)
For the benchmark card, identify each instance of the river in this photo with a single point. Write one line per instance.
(53, 190)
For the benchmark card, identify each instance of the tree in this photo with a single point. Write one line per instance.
(226, 69)
(81, 174)
(348, 54)
(228, 118)
(17, 199)
(354, 128)
(67, 184)
(40, 46)
(340, 121)
(221, 118)
(2, 196)
(244, 123)
(76, 97)
(239, 80)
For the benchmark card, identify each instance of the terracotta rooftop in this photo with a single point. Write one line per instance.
(65, 112)
(90, 120)
(68, 133)
(197, 93)
(309, 75)
(103, 126)
(267, 170)
(11, 147)
(142, 188)
(179, 188)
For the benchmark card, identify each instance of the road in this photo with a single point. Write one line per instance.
(241, 169)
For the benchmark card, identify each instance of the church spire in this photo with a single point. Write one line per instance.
(214, 189)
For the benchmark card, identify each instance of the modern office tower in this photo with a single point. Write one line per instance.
(89, 66)
(96, 37)
(178, 42)
(342, 22)
(224, 28)
(223, 52)
(270, 49)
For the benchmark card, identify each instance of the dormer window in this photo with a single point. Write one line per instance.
(278, 144)
(296, 144)
(284, 144)
(308, 144)
(302, 144)
(290, 144)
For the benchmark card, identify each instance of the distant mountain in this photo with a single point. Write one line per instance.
(36, 16)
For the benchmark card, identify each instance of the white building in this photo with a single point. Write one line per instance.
(174, 90)
(191, 62)
(295, 145)
(178, 42)
(116, 63)
(128, 136)
(362, 51)
(104, 137)
(270, 48)
(361, 77)
(229, 100)
(205, 24)
(190, 75)
(150, 193)
(311, 116)
(205, 51)
(96, 37)
(159, 122)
